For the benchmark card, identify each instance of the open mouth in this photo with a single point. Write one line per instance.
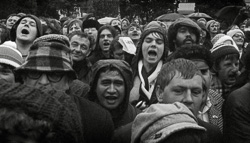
(152, 53)
(106, 44)
(111, 99)
(134, 34)
(25, 31)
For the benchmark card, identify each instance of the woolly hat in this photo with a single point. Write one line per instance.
(9, 55)
(217, 37)
(14, 27)
(90, 23)
(231, 33)
(52, 106)
(209, 23)
(49, 53)
(173, 28)
(160, 121)
(224, 46)
(202, 20)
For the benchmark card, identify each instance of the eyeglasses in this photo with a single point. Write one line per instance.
(51, 76)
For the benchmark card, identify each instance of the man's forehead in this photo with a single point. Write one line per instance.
(110, 73)
(28, 18)
(154, 35)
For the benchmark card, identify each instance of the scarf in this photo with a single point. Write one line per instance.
(148, 84)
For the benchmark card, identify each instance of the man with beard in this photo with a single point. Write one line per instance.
(134, 32)
(24, 32)
(151, 53)
(80, 44)
(106, 35)
(49, 67)
(212, 27)
(183, 31)
(225, 58)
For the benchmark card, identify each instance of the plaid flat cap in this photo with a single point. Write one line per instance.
(49, 53)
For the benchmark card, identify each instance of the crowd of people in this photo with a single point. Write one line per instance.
(79, 81)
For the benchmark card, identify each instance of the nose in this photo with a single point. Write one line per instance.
(43, 80)
(188, 100)
(89, 31)
(111, 89)
(235, 68)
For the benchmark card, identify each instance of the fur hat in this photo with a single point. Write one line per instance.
(231, 33)
(9, 55)
(90, 23)
(173, 28)
(14, 27)
(49, 53)
(160, 121)
(224, 46)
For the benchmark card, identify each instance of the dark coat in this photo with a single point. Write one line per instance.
(236, 115)
(124, 113)
(83, 70)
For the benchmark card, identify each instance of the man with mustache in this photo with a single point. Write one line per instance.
(225, 58)
(183, 31)
(24, 32)
(105, 36)
(213, 27)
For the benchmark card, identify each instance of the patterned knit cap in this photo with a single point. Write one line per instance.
(9, 55)
(160, 121)
(224, 46)
(217, 37)
(50, 53)
(52, 106)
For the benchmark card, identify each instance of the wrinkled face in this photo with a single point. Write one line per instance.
(228, 70)
(239, 39)
(185, 36)
(27, 30)
(6, 73)
(11, 21)
(134, 33)
(75, 27)
(204, 68)
(110, 89)
(91, 31)
(105, 40)
(186, 91)
(213, 28)
(80, 47)
(47, 80)
(152, 48)
(116, 23)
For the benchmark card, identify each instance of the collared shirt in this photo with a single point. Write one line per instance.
(203, 115)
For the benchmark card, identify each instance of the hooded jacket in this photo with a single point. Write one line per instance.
(173, 28)
(125, 113)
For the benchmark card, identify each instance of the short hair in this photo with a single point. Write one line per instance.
(82, 35)
(185, 67)
(216, 64)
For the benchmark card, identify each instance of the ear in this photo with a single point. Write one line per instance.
(159, 94)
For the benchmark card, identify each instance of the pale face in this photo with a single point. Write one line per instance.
(75, 27)
(213, 28)
(228, 71)
(134, 33)
(110, 89)
(185, 36)
(239, 39)
(92, 32)
(124, 23)
(152, 49)
(80, 47)
(47, 80)
(105, 40)
(27, 30)
(137, 21)
(6, 73)
(186, 91)
(11, 21)
(116, 23)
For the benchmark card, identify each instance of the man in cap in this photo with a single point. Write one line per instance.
(49, 67)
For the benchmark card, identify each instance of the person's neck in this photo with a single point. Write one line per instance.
(106, 54)
(136, 41)
(23, 47)
(149, 66)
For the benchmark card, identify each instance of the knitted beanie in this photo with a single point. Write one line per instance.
(52, 106)
(224, 46)
(90, 23)
(231, 33)
(209, 23)
(49, 53)
(160, 121)
(173, 28)
(14, 27)
(217, 37)
(9, 55)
